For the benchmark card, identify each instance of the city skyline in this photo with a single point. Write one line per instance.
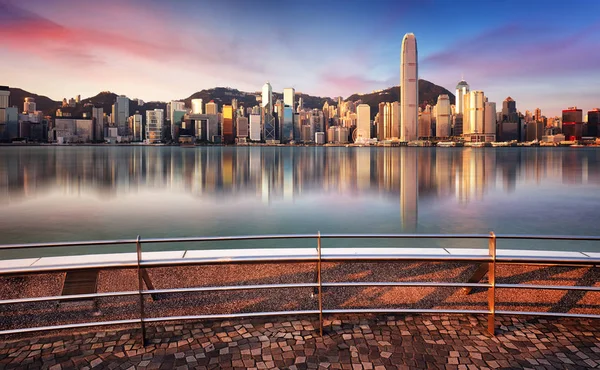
(489, 46)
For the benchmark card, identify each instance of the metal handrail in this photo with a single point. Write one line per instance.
(492, 259)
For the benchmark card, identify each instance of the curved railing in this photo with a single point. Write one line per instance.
(317, 255)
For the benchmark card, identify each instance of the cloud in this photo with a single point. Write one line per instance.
(516, 51)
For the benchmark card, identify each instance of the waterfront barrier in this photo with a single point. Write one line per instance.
(488, 259)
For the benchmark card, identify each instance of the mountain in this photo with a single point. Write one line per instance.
(43, 103)
(428, 94)
(224, 95)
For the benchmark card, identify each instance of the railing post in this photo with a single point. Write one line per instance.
(320, 284)
(138, 245)
(492, 288)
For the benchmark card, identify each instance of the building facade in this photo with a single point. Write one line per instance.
(409, 88)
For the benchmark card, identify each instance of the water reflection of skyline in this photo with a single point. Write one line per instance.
(283, 173)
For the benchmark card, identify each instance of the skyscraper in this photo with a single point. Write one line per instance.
(288, 96)
(175, 106)
(267, 113)
(476, 112)
(490, 119)
(197, 106)
(409, 88)
(29, 105)
(462, 89)
(227, 124)
(154, 124)
(212, 108)
(98, 122)
(443, 116)
(122, 115)
(363, 122)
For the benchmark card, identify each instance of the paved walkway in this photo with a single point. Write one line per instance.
(356, 342)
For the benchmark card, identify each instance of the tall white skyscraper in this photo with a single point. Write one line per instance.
(288, 96)
(268, 120)
(409, 88)
(197, 106)
(462, 89)
(363, 122)
(29, 105)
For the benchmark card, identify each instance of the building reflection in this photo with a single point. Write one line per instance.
(273, 174)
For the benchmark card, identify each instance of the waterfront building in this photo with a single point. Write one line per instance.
(197, 107)
(443, 116)
(9, 118)
(135, 127)
(331, 134)
(227, 124)
(73, 130)
(535, 131)
(212, 108)
(242, 127)
(363, 123)
(306, 134)
(462, 90)
(409, 88)
(121, 114)
(29, 105)
(154, 125)
(287, 126)
(593, 122)
(380, 121)
(572, 123)
(255, 127)
(202, 126)
(98, 118)
(424, 127)
(175, 106)
(489, 124)
(268, 121)
(319, 138)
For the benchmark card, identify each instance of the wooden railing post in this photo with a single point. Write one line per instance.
(492, 282)
(320, 284)
(138, 245)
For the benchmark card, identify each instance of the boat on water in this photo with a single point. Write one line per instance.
(446, 144)
(477, 144)
(577, 146)
(497, 144)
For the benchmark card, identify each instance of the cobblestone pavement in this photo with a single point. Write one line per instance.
(349, 342)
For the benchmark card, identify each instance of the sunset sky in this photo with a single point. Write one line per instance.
(542, 53)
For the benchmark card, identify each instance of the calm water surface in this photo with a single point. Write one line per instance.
(82, 193)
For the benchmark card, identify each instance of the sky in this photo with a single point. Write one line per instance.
(542, 53)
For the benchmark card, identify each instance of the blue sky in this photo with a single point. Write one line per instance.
(542, 53)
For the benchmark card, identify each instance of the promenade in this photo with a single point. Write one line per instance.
(349, 342)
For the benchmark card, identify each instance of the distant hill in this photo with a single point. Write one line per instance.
(43, 103)
(428, 94)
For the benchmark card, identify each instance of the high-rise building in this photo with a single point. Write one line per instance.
(175, 124)
(424, 127)
(227, 124)
(135, 127)
(255, 127)
(490, 119)
(475, 112)
(287, 126)
(268, 121)
(409, 88)
(537, 114)
(593, 122)
(212, 108)
(572, 123)
(29, 105)
(242, 127)
(509, 110)
(288, 97)
(98, 120)
(154, 125)
(363, 123)
(381, 121)
(197, 106)
(121, 115)
(4, 97)
(462, 89)
(443, 116)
